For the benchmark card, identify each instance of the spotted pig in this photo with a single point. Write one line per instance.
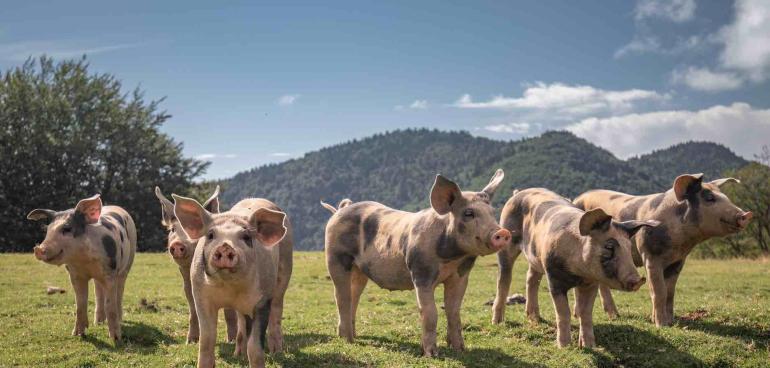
(573, 248)
(401, 250)
(92, 242)
(242, 261)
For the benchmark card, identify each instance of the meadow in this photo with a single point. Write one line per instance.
(723, 319)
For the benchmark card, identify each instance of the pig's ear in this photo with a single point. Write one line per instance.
(687, 184)
(720, 182)
(443, 194)
(91, 208)
(166, 208)
(41, 214)
(632, 226)
(494, 183)
(594, 220)
(269, 225)
(192, 216)
(212, 204)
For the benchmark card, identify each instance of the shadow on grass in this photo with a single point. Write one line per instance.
(137, 336)
(630, 346)
(479, 357)
(293, 343)
(744, 333)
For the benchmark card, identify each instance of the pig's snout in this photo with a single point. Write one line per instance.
(744, 219)
(634, 283)
(500, 239)
(39, 253)
(177, 250)
(224, 257)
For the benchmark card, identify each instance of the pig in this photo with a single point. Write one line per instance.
(574, 249)
(405, 250)
(242, 261)
(690, 212)
(181, 249)
(92, 242)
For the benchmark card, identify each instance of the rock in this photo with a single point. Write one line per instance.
(54, 290)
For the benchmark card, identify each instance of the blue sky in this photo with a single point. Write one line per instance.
(254, 82)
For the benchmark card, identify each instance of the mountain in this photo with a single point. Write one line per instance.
(398, 169)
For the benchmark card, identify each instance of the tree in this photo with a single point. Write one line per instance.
(66, 134)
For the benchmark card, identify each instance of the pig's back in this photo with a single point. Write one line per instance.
(126, 244)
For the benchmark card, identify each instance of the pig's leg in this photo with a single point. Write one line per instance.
(231, 320)
(109, 285)
(241, 336)
(256, 344)
(342, 285)
(358, 283)
(657, 292)
(99, 314)
(275, 335)
(121, 285)
(608, 302)
(532, 306)
(585, 297)
(561, 305)
(192, 332)
(80, 286)
(454, 291)
(207, 321)
(429, 316)
(505, 260)
(671, 274)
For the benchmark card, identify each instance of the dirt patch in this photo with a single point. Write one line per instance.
(696, 315)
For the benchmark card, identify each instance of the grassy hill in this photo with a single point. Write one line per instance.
(398, 168)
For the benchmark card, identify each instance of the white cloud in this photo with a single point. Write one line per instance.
(565, 99)
(703, 79)
(510, 128)
(287, 100)
(20, 51)
(639, 45)
(747, 40)
(416, 105)
(674, 10)
(212, 156)
(280, 154)
(738, 126)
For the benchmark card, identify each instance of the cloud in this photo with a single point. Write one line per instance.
(678, 11)
(639, 45)
(280, 154)
(564, 99)
(20, 51)
(703, 79)
(213, 156)
(510, 128)
(747, 40)
(738, 126)
(287, 100)
(416, 105)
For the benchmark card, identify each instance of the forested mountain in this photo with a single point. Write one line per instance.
(398, 169)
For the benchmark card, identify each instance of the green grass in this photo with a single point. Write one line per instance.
(35, 327)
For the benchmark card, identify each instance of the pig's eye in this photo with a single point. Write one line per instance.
(66, 230)
(469, 214)
(709, 197)
(211, 235)
(246, 239)
(611, 244)
(172, 230)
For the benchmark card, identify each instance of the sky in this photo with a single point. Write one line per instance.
(251, 82)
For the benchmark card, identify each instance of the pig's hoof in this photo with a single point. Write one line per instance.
(612, 315)
(498, 318)
(458, 346)
(275, 344)
(430, 351)
(587, 344)
(192, 339)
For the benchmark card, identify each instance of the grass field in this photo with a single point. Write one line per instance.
(722, 309)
